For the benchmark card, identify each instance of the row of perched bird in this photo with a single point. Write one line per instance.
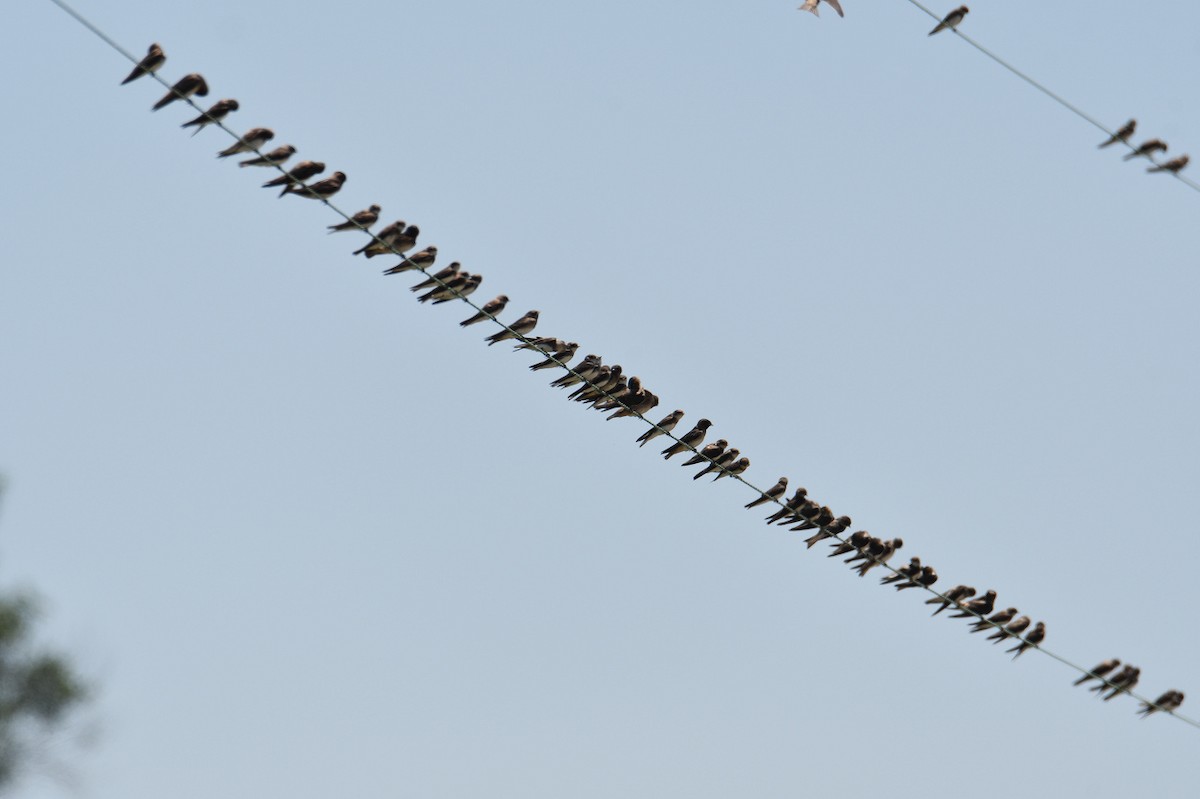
(1147, 148)
(607, 388)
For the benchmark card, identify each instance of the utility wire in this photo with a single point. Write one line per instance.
(1074, 109)
(780, 502)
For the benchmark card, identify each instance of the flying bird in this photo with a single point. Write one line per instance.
(666, 424)
(251, 140)
(812, 5)
(1099, 671)
(153, 62)
(771, 494)
(691, 439)
(1123, 133)
(1033, 638)
(188, 85)
(275, 158)
(494, 307)
(1147, 148)
(521, 327)
(1173, 166)
(215, 113)
(952, 20)
(1168, 702)
(363, 219)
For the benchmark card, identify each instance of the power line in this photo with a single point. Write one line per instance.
(1074, 109)
(779, 501)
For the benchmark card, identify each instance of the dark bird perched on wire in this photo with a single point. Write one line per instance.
(771, 494)
(977, 607)
(953, 596)
(155, 58)
(666, 424)
(1123, 133)
(1100, 670)
(1014, 627)
(493, 306)
(1000, 618)
(1169, 702)
(362, 220)
(215, 113)
(1032, 639)
(188, 85)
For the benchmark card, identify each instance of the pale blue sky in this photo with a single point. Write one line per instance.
(311, 538)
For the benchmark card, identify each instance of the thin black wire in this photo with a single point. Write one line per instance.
(777, 500)
(1074, 109)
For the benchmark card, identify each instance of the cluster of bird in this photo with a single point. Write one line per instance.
(606, 388)
(1145, 149)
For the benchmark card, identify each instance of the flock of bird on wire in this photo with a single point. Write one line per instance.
(1146, 149)
(606, 388)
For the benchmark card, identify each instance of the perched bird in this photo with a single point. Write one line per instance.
(1099, 671)
(908, 572)
(928, 577)
(1123, 133)
(1032, 638)
(494, 307)
(1168, 702)
(421, 260)
(878, 555)
(1147, 148)
(691, 439)
(521, 327)
(439, 277)
(1173, 166)
(772, 494)
(543, 344)
(321, 190)
(454, 284)
(665, 425)
(828, 529)
(215, 113)
(976, 607)
(1015, 627)
(822, 517)
(587, 369)
(954, 595)
(153, 62)
(395, 238)
(600, 380)
(562, 356)
(710, 452)
(733, 469)
(811, 5)
(1125, 680)
(856, 541)
(251, 140)
(789, 508)
(274, 158)
(188, 85)
(639, 405)
(466, 290)
(952, 19)
(300, 172)
(718, 462)
(1000, 618)
(363, 219)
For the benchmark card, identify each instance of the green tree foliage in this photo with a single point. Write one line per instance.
(38, 689)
